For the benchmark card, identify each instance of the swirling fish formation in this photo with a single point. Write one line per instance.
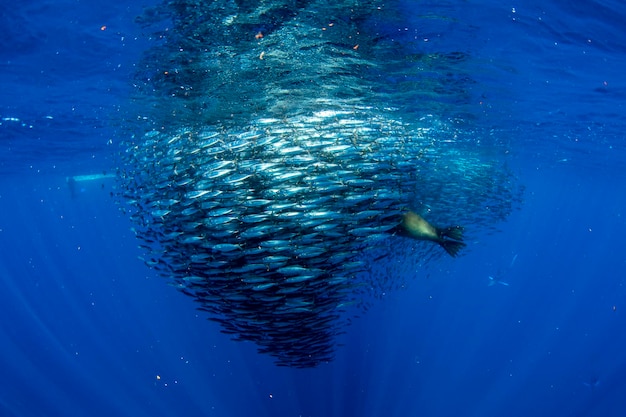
(274, 173)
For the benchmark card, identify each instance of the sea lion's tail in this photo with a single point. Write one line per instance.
(451, 239)
(452, 246)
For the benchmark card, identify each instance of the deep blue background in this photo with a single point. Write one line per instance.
(87, 329)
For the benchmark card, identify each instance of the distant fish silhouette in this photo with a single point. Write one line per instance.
(496, 280)
(592, 382)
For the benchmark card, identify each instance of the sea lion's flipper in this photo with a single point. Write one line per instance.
(451, 238)
(452, 246)
(453, 232)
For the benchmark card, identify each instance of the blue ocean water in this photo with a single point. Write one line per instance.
(88, 329)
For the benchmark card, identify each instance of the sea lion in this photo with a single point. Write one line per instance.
(414, 226)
